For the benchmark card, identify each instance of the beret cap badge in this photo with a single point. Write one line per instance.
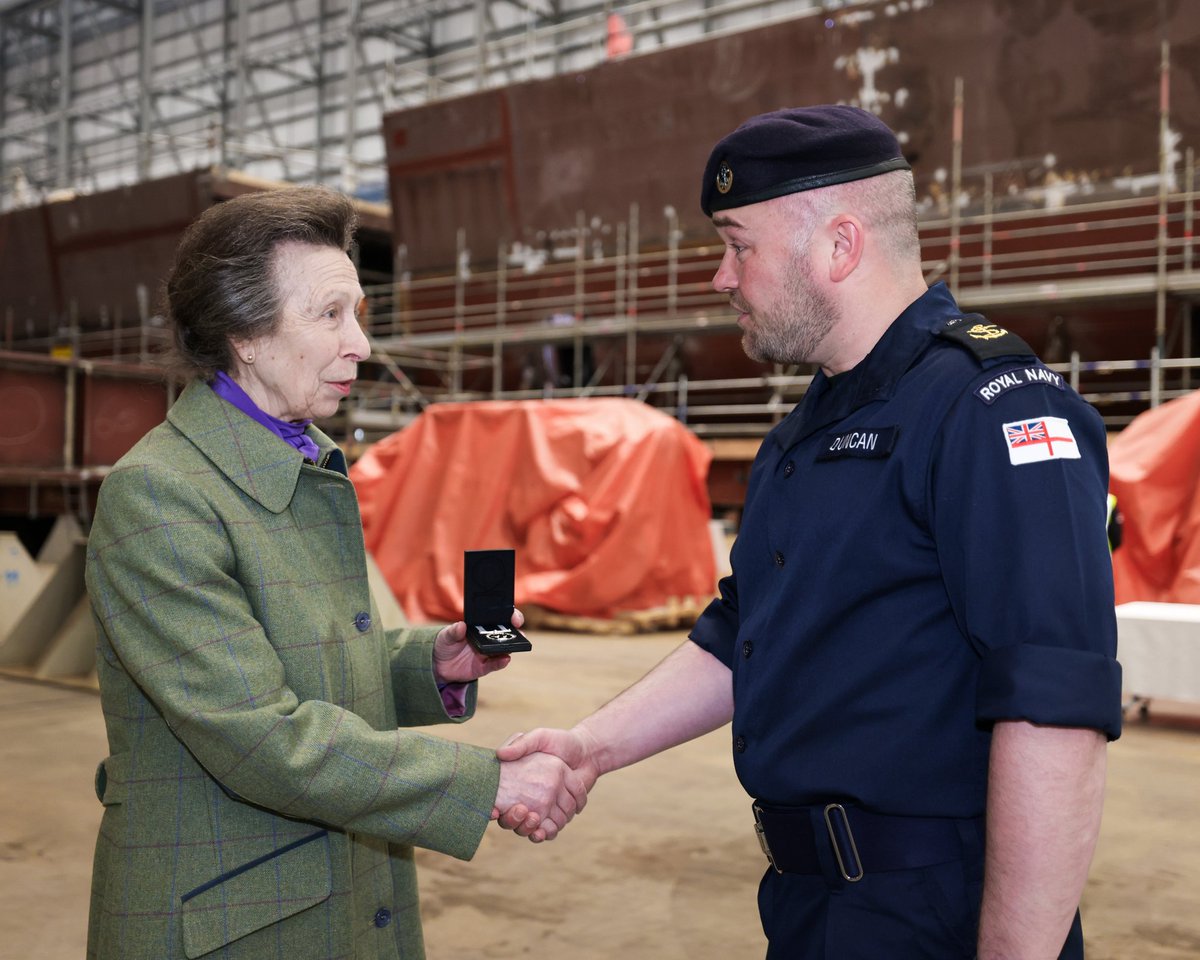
(794, 149)
(724, 177)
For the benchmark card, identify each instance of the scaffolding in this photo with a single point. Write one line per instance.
(96, 94)
(461, 329)
(1063, 244)
(625, 320)
(619, 316)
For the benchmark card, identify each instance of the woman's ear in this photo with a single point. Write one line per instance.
(243, 350)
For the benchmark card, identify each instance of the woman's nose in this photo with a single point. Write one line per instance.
(356, 343)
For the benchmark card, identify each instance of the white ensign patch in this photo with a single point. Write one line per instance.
(1046, 438)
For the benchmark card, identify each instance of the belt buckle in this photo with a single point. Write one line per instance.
(761, 832)
(837, 848)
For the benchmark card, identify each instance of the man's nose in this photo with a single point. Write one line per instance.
(725, 279)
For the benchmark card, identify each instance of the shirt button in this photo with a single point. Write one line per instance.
(789, 468)
(740, 744)
(747, 648)
(383, 916)
(363, 622)
(778, 559)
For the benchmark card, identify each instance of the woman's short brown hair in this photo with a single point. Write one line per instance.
(222, 283)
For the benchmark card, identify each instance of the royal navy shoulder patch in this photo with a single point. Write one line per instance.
(1033, 375)
(985, 340)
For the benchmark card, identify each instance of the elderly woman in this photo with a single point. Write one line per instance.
(261, 797)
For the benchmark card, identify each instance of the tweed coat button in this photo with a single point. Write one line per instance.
(363, 622)
(789, 468)
(740, 744)
(779, 559)
(383, 916)
(747, 648)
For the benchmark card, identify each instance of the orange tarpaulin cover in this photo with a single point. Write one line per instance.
(1155, 475)
(604, 501)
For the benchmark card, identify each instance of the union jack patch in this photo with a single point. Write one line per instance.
(1046, 438)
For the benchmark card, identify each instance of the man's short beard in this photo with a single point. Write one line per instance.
(795, 326)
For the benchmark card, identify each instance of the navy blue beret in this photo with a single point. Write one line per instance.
(800, 148)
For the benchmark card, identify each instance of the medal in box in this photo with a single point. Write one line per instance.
(489, 577)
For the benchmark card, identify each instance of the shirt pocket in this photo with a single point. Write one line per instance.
(256, 894)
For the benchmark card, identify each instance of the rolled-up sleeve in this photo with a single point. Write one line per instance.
(717, 627)
(1052, 685)
(1020, 531)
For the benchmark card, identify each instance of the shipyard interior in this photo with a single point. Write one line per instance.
(552, 370)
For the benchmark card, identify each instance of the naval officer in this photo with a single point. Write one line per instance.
(916, 646)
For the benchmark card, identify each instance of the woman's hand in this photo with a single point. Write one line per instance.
(456, 661)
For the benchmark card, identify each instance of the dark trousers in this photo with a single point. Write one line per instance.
(931, 913)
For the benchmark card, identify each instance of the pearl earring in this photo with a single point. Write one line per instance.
(249, 358)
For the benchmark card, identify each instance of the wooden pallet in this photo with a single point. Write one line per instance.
(676, 614)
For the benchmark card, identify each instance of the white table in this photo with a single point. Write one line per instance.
(1158, 646)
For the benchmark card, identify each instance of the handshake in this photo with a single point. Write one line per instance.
(545, 777)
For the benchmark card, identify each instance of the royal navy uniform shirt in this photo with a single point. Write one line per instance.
(922, 553)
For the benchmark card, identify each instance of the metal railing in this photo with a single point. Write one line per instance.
(467, 321)
(460, 335)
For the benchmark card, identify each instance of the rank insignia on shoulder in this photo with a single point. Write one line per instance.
(985, 340)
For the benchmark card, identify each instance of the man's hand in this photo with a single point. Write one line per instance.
(538, 795)
(688, 694)
(456, 661)
(570, 746)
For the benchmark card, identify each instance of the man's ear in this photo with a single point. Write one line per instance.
(847, 247)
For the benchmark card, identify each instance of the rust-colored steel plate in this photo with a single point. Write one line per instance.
(32, 417)
(116, 414)
(1059, 99)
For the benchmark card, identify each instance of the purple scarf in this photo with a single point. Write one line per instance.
(224, 387)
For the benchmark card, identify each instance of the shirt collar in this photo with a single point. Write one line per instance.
(292, 432)
(875, 377)
(261, 467)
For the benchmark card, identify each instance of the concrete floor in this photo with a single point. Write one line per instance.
(663, 864)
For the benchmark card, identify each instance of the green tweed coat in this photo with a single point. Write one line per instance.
(260, 800)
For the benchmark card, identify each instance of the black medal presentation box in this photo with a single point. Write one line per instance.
(488, 579)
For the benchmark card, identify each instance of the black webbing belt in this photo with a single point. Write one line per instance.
(840, 840)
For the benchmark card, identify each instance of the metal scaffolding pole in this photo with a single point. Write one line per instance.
(1164, 160)
(3, 99)
(1189, 208)
(580, 309)
(242, 80)
(501, 310)
(956, 184)
(631, 309)
(321, 120)
(64, 95)
(146, 82)
(350, 179)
